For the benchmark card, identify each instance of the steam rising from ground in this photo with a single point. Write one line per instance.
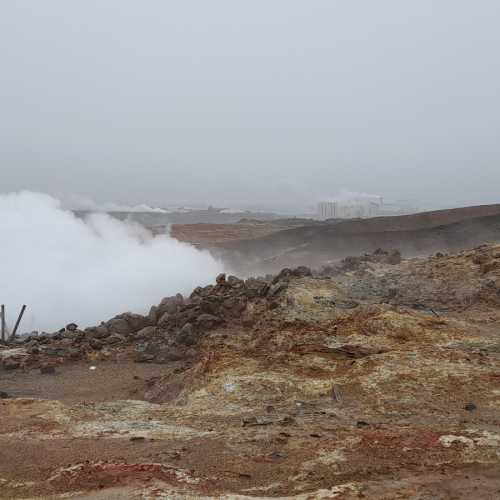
(80, 202)
(68, 269)
(345, 196)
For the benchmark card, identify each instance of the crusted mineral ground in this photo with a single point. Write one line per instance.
(367, 379)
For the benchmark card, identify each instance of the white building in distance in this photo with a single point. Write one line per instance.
(362, 207)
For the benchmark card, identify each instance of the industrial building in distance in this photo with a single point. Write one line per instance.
(362, 208)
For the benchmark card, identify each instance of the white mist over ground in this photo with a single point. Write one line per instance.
(345, 196)
(81, 202)
(67, 269)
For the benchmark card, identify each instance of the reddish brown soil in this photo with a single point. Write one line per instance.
(388, 399)
(205, 235)
(74, 383)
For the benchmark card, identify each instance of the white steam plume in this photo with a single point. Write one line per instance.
(68, 269)
(345, 196)
(80, 202)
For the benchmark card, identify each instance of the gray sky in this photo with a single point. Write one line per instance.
(271, 102)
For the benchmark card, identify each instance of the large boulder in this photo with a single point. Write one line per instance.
(210, 305)
(153, 315)
(165, 320)
(185, 315)
(302, 272)
(148, 332)
(255, 287)
(96, 332)
(96, 344)
(207, 321)
(136, 321)
(119, 325)
(287, 274)
(170, 305)
(234, 306)
(235, 282)
(276, 288)
(188, 335)
(114, 339)
(127, 323)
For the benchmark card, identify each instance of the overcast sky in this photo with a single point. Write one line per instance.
(277, 103)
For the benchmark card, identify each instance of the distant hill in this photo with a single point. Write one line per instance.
(157, 219)
(417, 234)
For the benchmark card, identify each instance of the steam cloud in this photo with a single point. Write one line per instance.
(68, 269)
(80, 202)
(345, 195)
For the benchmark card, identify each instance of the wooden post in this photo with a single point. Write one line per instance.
(3, 322)
(18, 321)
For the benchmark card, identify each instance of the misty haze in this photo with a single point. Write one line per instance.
(250, 249)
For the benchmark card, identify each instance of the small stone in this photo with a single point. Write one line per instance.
(47, 370)
(96, 344)
(11, 364)
(142, 357)
(470, 407)
(71, 327)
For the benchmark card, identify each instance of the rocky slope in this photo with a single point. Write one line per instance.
(210, 235)
(414, 235)
(373, 378)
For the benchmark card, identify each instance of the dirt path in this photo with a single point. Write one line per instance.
(73, 383)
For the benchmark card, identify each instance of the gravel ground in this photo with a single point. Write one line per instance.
(74, 383)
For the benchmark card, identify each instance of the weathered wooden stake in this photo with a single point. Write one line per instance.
(3, 322)
(18, 321)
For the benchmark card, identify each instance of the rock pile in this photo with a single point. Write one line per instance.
(350, 264)
(169, 331)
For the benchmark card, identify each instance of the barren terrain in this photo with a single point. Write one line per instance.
(371, 378)
(209, 235)
(251, 247)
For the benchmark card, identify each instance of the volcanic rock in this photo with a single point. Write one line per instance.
(119, 325)
(114, 339)
(187, 335)
(47, 370)
(97, 332)
(153, 315)
(147, 332)
(207, 321)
